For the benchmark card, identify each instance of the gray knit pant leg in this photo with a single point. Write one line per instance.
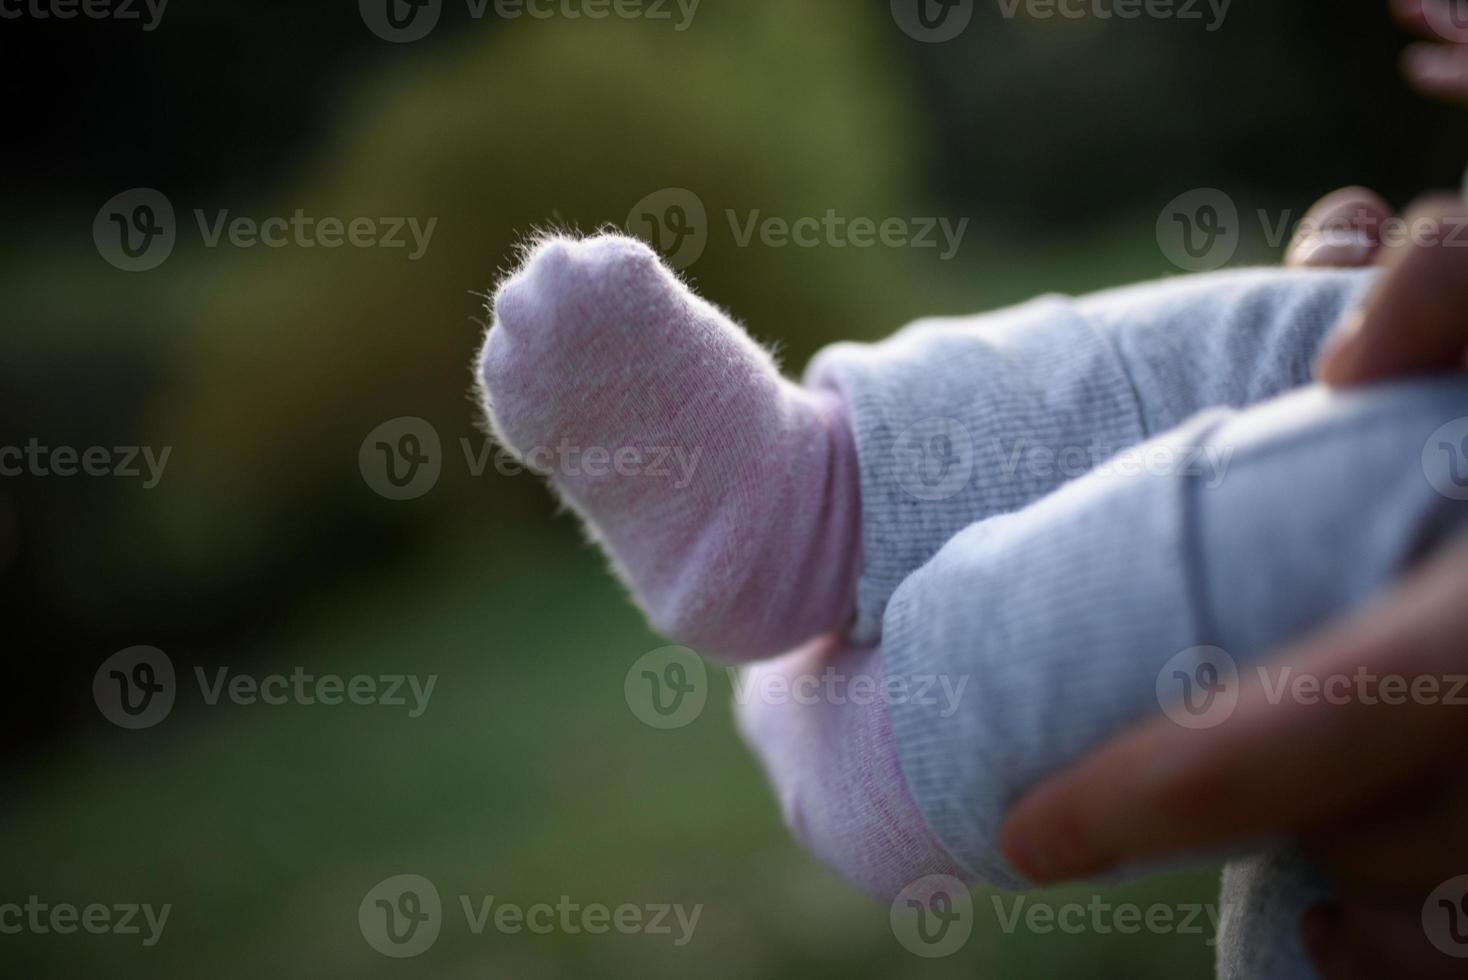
(1069, 618)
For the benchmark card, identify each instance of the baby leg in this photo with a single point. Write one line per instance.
(1063, 623)
(818, 720)
(960, 420)
(1075, 616)
(730, 500)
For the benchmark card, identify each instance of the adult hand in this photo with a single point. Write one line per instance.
(1346, 228)
(1376, 791)
(1371, 782)
(1438, 66)
(1416, 321)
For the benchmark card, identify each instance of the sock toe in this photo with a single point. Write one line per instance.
(726, 497)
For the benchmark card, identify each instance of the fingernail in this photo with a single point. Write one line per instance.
(1346, 248)
(1305, 250)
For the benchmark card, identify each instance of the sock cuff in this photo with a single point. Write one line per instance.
(959, 420)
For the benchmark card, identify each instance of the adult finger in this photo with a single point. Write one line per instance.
(1438, 20)
(1279, 765)
(1405, 848)
(1438, 70)
(1416, 320)
(1342, 230)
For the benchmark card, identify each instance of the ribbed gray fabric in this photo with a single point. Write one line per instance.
(1080, 378)
(1063, 615)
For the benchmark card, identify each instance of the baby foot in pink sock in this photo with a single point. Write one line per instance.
(817, 721)
(726, 497)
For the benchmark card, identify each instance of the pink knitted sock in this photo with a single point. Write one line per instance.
(817, 720)
(727, 498)
(734, 517)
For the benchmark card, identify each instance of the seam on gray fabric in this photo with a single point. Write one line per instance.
(1201, 614)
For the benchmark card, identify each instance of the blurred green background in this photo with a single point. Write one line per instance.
(264, 548)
